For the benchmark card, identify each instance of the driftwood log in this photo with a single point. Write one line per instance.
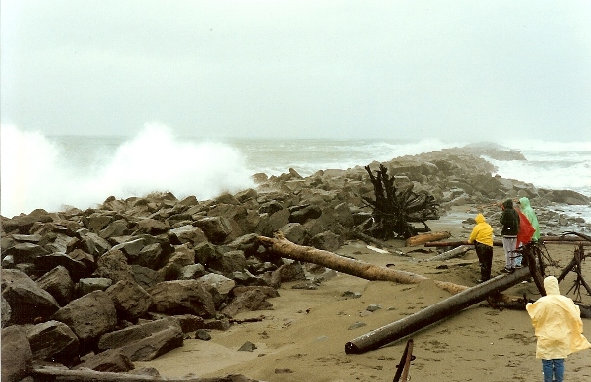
(426, 237)
(433, 313)
(395, 209)
(54, 374)
(456, 252)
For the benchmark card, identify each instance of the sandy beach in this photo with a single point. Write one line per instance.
(303, 337)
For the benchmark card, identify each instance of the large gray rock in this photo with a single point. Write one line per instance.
(77, 269)
(113, 265)
(91, 284)
(53, 341)
(182, 296)
(152, 226)
(17, 356)
(131, 247)
(568, 197)
(295, 232)
(59, 284)
(253, 299)
(117, 228)
(187, 234)
(25, 252)
(216, 228)
(222, 284)
(112, 360)
(146, 341)
(192, 271)
(130, 299)
(93, 243)
(26, 298)
(326, 240)
(151, 256)
(301, 214)
(229, 262)
(145, 277)
(89, 317)
(270, 223)
(62, 243)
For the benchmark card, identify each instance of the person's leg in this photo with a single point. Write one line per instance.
(488, 258)
(517, 256)
(512, 243)
(558, 369)
(548, 368)
(480, 253)
(507, 249)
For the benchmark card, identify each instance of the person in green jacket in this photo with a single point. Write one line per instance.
(482, 235)
(529, 213)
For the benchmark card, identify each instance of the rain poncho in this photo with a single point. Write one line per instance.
(509, 219)
(557, 323)
(482, 231)
(531, 216)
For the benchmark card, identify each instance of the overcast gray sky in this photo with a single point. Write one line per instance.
(303, 69)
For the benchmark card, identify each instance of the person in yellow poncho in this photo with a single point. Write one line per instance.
(559, 328)
(482, 234)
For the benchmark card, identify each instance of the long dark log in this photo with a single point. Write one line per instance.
(51, 374)
(410, 324)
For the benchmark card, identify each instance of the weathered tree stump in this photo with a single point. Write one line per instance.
(395, 209)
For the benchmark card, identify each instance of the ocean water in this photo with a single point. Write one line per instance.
(52, 172)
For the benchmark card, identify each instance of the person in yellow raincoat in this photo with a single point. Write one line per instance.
(559, 328)
(482, 235)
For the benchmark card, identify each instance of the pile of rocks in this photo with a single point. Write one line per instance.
(130, 279)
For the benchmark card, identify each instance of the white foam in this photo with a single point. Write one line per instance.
(37, 174)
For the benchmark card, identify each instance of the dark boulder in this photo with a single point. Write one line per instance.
(112, 360)
(180, 297)
(130, 299)
(27, 300)
(59, 284)
(53, 341)
(216, 228)
(146, 341)
(90, 316)
(17, 357)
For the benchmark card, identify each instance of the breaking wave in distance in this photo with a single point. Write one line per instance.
(39, 172)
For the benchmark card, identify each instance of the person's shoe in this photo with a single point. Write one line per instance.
(518, 266)
(480, 281)
(507, 270)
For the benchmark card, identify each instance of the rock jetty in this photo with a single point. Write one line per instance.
(130, 279)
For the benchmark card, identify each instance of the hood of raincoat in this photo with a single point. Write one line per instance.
(551, 285)
(524, 202)
(557, 323)
(480, 218)
(508, 203)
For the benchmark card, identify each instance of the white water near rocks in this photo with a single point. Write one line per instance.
(51, 172)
